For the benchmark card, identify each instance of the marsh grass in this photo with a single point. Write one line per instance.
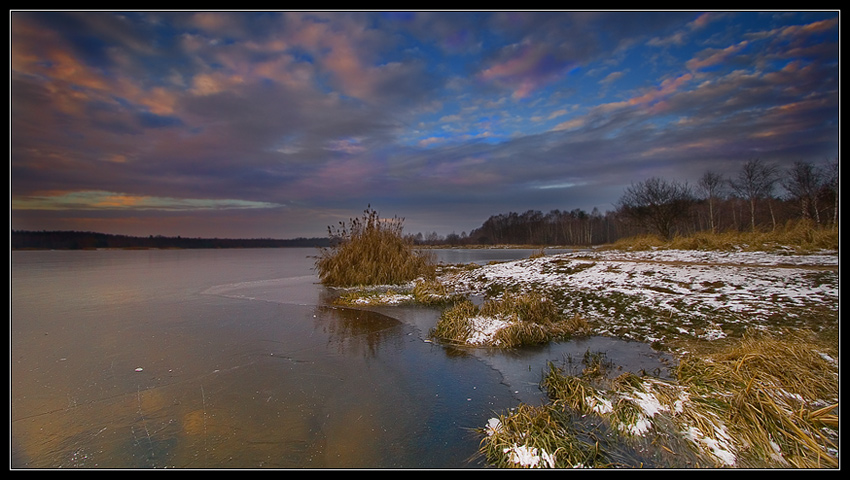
(422, 292)
(762, 401)
(531, 307)
(793, 237)
(514, 319)
(432, 292)
(455, 326)
(778, 394)
(538, 437)
(371, 251)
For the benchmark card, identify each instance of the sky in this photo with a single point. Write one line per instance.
(278, 124)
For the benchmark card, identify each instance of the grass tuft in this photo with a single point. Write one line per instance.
(455, 326)
(538, 437)
(513, 320)
(432, 292)
(371, 251)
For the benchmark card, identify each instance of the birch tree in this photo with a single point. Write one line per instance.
(755, 182)
(711, 185)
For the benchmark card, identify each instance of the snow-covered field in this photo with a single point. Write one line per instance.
(659, 294)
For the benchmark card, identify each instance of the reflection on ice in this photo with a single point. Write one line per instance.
(362, 329)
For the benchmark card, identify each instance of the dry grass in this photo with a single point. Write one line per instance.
(759, 402)
(797, 237)
(532, 307)
(455, 324)
(432, 292)
(525, 319)
(371, 251)
(773, 392)
(538, 437)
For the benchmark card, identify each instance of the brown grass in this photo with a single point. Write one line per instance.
(371, 251)
(532, 318)
(793, 237)
(773, 390)
(768, 401)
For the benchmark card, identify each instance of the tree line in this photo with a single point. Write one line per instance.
(74, 240)
(759, 195)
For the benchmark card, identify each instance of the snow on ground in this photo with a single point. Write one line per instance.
(383, 298)
(641, 294)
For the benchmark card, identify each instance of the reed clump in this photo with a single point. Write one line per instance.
(371, 251)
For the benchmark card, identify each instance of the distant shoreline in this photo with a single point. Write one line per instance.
(77, 240)
(73, 240)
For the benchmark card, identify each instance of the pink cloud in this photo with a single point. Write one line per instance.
(526, 69)
(711, 57)
(668, 87)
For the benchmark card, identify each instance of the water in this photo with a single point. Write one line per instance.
(235, 359)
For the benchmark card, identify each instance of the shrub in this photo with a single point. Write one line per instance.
(371, 251)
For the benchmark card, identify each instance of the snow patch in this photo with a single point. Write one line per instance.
(530, 457)
(484, 328)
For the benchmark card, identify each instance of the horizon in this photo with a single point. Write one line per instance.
(278, 124)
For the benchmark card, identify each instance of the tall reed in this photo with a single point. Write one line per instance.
(371, 251)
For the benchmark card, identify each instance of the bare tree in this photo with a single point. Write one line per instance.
(755, 182)
(657, 203)
(711, 185)
(833, 173)
(803, 182)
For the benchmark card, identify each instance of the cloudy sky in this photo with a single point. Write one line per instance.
(278, 124)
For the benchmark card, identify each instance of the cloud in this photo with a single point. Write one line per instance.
(474, 112)
(711, 57)
(98, 200)
(524, 68)
(612, 77)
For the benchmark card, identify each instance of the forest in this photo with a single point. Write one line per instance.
(759, 196)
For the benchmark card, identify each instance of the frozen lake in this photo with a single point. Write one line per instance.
(235, 359)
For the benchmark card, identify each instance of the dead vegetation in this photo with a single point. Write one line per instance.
(759, 402)
(799, 236)
(509, 321)
(758, 398)
(371, 251)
